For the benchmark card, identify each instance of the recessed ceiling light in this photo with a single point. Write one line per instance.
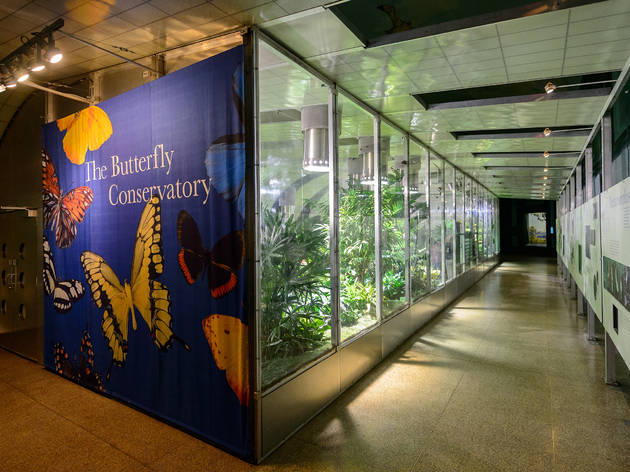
(547, 132)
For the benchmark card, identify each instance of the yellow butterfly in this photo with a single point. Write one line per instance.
(227, 337)
(144, 293)
(86, 129)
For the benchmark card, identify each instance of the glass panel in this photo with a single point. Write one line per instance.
(460, 235)
(621, 136)
(393, 250)
(418, 220)
(294, 241)
(436, 201)
(478, 221)
(449, 222)
(469, 240)
(596, 145)
(356, 220)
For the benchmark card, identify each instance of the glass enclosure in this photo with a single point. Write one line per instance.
(449, 221)
(357, 227)
(331, 267)
(436, 202)
(460, 234)
(294, 220)
(393, 220)
(418, 221)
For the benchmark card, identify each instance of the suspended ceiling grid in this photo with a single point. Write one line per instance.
(585, 39)
(131, 28)
(581, 40)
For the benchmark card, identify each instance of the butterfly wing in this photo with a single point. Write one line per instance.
(225, 165)
(50, 277)
(192, 255)
(227, 337)
(87, 129)
(150, 296)
(66, 293)
(226, 258)
(50, 189)
(73, 207)
(108, 293)
(87, 375)
(63, 364)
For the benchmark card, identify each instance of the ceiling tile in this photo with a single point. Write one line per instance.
(143, 14)
(605, 23)
(17, 25)
(171, 7)
(548, 34)
(598, 37)
(89, 13)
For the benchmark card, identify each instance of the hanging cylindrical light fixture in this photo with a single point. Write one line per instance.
(366, 150)
(315, 129)
(355, 166)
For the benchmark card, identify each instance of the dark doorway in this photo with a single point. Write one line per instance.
(528, 227)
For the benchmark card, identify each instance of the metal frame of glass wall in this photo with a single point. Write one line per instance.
(345, 243)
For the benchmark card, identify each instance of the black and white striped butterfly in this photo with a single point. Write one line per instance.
(64, 292)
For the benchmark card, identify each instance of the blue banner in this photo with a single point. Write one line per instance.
(144, 249)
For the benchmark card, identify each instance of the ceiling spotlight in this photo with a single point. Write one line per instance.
(38, 64)
(545, 169)
(53, 55)
(2, 87)
(549, 87)
(11, 83)
(545, 177)
(547, 132)
(22, 75)
(546, 154)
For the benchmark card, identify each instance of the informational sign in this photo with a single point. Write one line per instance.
(144, 249)
(591, 264)
(615, 234)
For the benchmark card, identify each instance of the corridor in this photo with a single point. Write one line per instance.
(504, 379)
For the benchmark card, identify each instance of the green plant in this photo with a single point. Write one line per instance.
(295, 283)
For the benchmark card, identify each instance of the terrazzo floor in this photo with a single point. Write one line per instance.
(504, 379)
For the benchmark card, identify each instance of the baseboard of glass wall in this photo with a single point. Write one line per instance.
(290, 405)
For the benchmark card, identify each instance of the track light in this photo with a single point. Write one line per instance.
(545, 169)
(16, 65)
(546, 154)
(2, 88)
(53, 55)
(547, 132)
(22, 75)
(38, 64)
(549, 87)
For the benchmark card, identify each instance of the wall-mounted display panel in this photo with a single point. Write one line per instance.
(591, 264)
(615, 234)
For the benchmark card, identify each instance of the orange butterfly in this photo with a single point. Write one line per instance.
(85, 129)
(62, 210)
(227, 337)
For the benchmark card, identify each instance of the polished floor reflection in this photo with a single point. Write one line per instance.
(503, 380)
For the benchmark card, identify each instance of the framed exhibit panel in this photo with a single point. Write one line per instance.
(615, 234)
